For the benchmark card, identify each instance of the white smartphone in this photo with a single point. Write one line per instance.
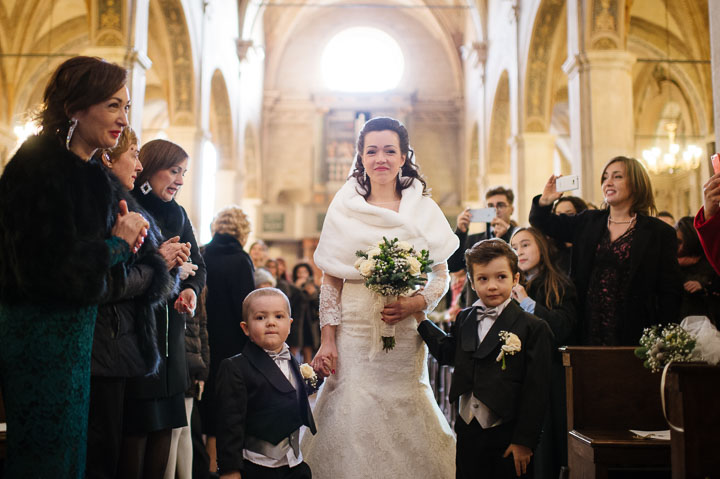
(567, 183)
(482, 215)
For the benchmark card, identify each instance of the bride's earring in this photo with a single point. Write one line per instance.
(71, 130)
(145, 188)
(365, 176)
(400, 175)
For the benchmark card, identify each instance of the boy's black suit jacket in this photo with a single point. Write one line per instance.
(517, 394)
(254, 398)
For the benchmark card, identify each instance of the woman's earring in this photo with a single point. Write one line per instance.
(73, 123)
(106, 159)
(145, 188)
(365, 176)
(400, 175)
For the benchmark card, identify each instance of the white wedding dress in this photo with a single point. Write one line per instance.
(377, 418)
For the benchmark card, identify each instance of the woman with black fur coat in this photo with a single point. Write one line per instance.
(156, 405)
(125, 339)
(59, 237)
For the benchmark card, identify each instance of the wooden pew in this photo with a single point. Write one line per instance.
(3, 435)
(691, 400)
(609, 392)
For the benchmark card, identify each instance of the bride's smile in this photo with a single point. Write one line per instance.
(382, 156)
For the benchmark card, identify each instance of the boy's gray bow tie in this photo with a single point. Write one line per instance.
(284, 354)
(491, 313)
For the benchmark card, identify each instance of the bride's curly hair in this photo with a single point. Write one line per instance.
(410, 170)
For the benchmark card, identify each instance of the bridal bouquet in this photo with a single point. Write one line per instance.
(661, 345)
(392, 268)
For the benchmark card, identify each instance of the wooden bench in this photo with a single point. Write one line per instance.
(3, 435)
(609, 392)
(691, 399)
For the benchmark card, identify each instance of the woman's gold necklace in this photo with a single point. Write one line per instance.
(610, 220)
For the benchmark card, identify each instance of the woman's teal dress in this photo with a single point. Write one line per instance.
(56, 212)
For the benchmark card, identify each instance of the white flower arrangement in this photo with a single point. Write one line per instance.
(512, 345)
(662, 345)
(392, 268)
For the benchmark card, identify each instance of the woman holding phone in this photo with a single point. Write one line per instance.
(624, 261)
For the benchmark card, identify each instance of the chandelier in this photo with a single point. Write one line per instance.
(672, 161)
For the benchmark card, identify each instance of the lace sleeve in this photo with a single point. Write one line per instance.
(436, 287)
(330, 310)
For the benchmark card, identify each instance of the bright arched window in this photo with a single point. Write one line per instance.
(362, 59)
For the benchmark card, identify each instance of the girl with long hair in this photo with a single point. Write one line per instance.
(549, 294)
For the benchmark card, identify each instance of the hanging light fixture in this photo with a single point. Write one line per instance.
(671, 160)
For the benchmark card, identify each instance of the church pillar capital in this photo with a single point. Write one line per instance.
(600, 90)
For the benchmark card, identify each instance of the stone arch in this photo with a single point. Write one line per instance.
(36, 28)
(221, 121)
(282, 30)
(498, 162)
(173, 50)
(47, 33)
(684, 83)
(547, 39)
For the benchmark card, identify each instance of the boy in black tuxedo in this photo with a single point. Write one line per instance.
(502, 359)
(262, 397)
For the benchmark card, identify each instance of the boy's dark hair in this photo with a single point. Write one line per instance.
(487, 250)
(666, 214)
(247, 302)
(501, 190)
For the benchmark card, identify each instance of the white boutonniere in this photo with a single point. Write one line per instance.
(512, 345)
(309, 376)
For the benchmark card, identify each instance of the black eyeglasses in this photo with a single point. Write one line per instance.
(498, 206)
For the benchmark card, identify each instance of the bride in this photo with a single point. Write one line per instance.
(376, 414)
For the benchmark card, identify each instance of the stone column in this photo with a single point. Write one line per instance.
(226, 180)
(601, 113)
(600, 94)
(120, 34)
(714, 13)
(190, 138)
(535, 152)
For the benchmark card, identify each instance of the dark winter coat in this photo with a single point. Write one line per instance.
(125, 338)
(55, 219)
(197, 349)
(230, 279)
(172, 377)
(653, 286)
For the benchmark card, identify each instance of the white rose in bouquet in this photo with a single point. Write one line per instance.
(366, 267)
(404, 245)
(414, 265)
(373, 252)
